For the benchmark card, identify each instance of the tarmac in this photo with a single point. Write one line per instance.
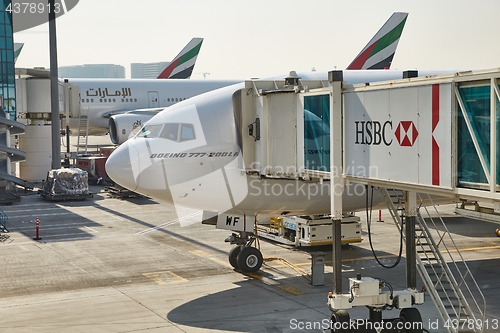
(129, 265)
(107, 264)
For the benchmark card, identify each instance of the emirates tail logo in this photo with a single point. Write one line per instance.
(406, 133)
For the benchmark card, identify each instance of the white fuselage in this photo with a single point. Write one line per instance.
(100, 98)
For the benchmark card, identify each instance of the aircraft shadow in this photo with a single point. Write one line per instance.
(256, 306)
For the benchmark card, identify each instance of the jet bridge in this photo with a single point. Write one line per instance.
(416, 139)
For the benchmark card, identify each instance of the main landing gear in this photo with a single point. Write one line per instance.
(243, 256)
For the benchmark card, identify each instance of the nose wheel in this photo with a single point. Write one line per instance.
(243, 256)
(247, 259)
(233, 256)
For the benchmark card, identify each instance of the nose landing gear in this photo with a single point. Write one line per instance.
(243, 256)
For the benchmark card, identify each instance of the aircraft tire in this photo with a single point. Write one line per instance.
(233, 256)
(411, 315)
(249, 259)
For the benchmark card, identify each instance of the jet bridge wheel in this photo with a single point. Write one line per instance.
(340, 322)
(249, 259)
(233, 256)
(411, 315)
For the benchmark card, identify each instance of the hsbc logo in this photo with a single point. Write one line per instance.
(377, 133)
(406, 133)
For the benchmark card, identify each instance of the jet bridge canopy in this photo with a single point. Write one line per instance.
(432, 134)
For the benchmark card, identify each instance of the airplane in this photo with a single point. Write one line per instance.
(121, 116)
(189, 155)
(100, 99)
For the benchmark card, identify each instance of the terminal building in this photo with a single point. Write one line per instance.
(93, 71)
(7, 81)
(110, 71)
(149, 70)
(10, 129)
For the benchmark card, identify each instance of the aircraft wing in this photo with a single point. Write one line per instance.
(149, 111)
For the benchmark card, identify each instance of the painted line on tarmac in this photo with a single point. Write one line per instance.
(31, 210)
(207, 255)
(31, 225)
(38, 215)
(55, 239)
(343, 260)
(490, 247)
(165, 277)
(93, 230)
(274, 283)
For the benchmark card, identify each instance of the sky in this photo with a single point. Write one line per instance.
(262, 38)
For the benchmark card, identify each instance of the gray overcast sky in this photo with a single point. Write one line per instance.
(262, 38)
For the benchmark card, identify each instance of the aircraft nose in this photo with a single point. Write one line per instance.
(120, 166)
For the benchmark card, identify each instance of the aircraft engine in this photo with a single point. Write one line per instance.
(124, 126)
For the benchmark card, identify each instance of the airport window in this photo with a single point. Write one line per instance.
(83, 100)
(170, 132)
(123, 100)
(176, 99)
(135, 99)
(87, 100)
(187, 132)
(150, 131)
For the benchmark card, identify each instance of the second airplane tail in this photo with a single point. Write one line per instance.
(183, 64)
(380, 50)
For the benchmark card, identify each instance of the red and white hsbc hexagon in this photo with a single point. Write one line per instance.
(400, 134)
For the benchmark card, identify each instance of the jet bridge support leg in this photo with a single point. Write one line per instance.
(411, 253)
(364, 290)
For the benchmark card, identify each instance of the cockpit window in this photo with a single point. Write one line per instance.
(187, 132)
(170, 131)
(150, 131)
(178, 132)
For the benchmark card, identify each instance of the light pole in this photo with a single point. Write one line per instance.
(54, 89)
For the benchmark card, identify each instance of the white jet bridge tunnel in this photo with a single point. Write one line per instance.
(418, 140)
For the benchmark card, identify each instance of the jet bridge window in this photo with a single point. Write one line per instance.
(317, 132)
(178, 132)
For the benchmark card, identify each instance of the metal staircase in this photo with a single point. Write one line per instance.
(83, 132)
(448, 280)
(3, 221)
